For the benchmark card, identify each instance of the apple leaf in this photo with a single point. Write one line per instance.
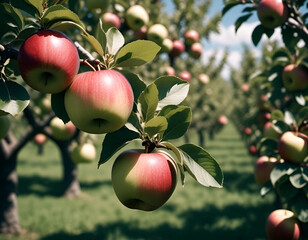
(285, 189)
(267, 146)
(289, 118)
(37, 4)
(266, 188)
(147, 102)
(94, 43)
(115, 40)
(179, 119)
(202, 166)
(300, 99)
(14, 98)
(277, 115)
(57, 104)
(133, 123)
(114, 141)
(257, 34)
(156, 126)
(101, 35)
(171, 90)
(300, 207)
(35, 8)
(280, 170)
(136, 53)
(298, 178)
(65, 25)
(241, 20)
(229, 5)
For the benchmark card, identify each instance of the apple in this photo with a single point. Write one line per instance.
(170, 71)
(204, 78)
(245, 87)
(166, 45)
(253, 150)
(272, 13)
(97, 4)
(271, 132)
(264, 117)
(293, 147)
(85, 153)
(141, 33)
(143, 181)
(262, 169)
(40, 138)
(295, 77)
(191, 36)
(99, 102)
(177, 49)
(222, 120)
(60, 130)
(157, 33)
(110, 20)
(185, 75)
(195, 50)
(48, 61)
(247, 131)
(281, 224)
(5, 124)
(136, 17)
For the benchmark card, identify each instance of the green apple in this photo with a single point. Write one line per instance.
(60, 130)
(136, 17)
(293, 147)
(85, 153)
(281, 224)
(5, 123)
(272, 13)
(166, 45)
(262, 169)
(157, 33)
(100, 101)
(143, 181)
(295, 77)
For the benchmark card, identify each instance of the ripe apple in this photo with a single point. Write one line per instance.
(272, 13)
(185, 75)
(170, 71)
(5, 124)
(245, 87)
(40, 138)
(195, 50)
(204, 78)
(97, 4)
(85, 153)
(60, 130)
(253, 150)
(271, 132)
(222, 120)
(136, 17)
(247, 131)
(157, 33)
(262, 169)
(99, 102)
(48, 61)
(293, 147)
(166, 45)
(191, 36)
(295, 77)
(143, 181)
(281, 224)
(110, 20)
(177, 49)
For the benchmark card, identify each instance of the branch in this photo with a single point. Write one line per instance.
(94, 62)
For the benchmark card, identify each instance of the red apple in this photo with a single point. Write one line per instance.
(247, 131)
(262, 169)
(191, 36)
(185, 75)
(295, 77)
(177, 49)
(48, 61)
(5, 123)
(222, 120)
(60, 130)
(272, 13)
(99, 102)
(271, 132)
(170, 71)
(195, 50)
(245, 87)
(281, 224)
(253, 150)
(110, 20)
(143, 181)
(293, 147)
(40, 138)
(136, 17)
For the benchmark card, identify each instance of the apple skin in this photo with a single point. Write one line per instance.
(253, 150)
(99, 102)
(143, 181)
(191, 36)
(5, 124)
(222, 120)
(110, 20)
(157, 33)
(281, 224)
(245, 87)
(293, 147)
(136, 17)
(177, 49)
(170, 71)
(270, 132)
(247, 131)
(85, 153)
(262, 169)
(40, 138)
(48, 61)
(195, 50)
(295, 77)
(272, 13)
(185, 75)
(166, 45)
(204, 78)
(60, 130)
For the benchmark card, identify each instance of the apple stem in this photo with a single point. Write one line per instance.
(86, 63)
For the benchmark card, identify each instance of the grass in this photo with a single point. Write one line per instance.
(193, 212)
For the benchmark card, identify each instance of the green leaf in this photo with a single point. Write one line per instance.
(179, 119)
(57, 104)
(280, 170)
(11, 15)
(101, 35)
(277, 115)
(285, 189)
(229, 5)
(202, 166)
(94, 43)
(298, 178)
(114, 141)
(156, 126)
(115, 40)
(267, 146)
(136, 53)
(172, 91)
(257, 34)
(300, 207)
(32, 9)
(65, 25)
(266, 188)
(147, 102)
(37, 4)
(13, 97)
(133, 123)
(300, 99)
(241, 20)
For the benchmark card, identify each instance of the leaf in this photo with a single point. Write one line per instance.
(229, 5)
(300, 99)
(257, 34)
(101, 35)
(266, 188)
(171, 90)
(29, 8)
(13, 14)
(289, 118)
(136, 53)
(298, 178)
(280, 170)
(202, 166)
(241, 20)
(277, 115)
(114, 141)
(147, 102)
(65, 25)
(156, 126)
(13, 97)
(300, 207)
(179, 119)
(37, 4)
(115, 40)
(57, 104)
(285, 189)
(94, 43)
(133, 123)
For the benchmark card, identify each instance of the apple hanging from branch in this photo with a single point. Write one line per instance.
(136, 17)
(295, 77)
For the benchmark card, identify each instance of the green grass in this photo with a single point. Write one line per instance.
(193, 212)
